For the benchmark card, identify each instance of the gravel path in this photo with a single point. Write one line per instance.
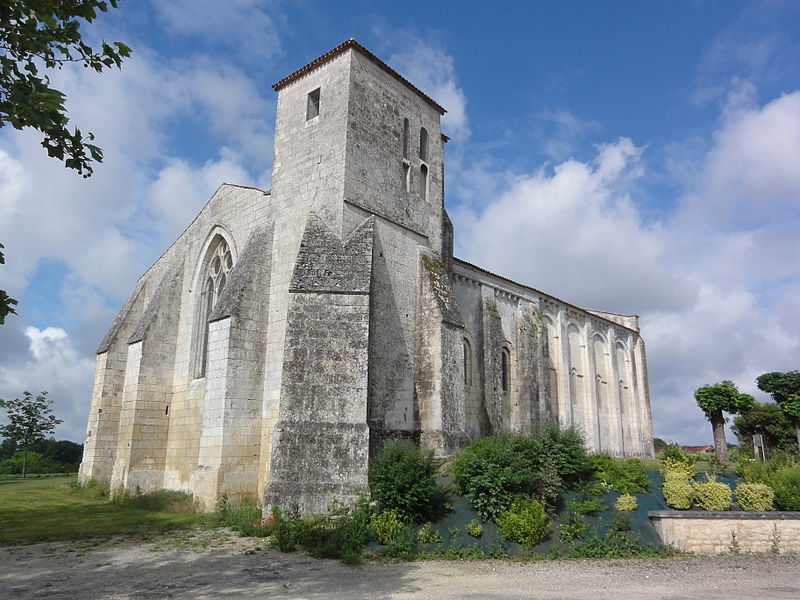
(228, 567)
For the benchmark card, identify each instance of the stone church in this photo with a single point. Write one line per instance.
(286, 335)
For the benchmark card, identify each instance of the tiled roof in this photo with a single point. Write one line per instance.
(352, 43)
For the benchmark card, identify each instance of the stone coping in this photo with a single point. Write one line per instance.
(775, 515)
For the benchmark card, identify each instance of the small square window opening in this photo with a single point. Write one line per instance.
(312, 108)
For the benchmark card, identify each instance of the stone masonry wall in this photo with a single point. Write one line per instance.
(711, 532)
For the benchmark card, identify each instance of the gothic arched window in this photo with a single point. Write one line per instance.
(467, 362)
(505, 369)
(218, 265)
(423, 144)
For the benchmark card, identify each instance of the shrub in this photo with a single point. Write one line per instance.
(428, 535)
(678, 492)
(403, 479)
(244, 518)
(525, 521)
(624, 476)
(754, 496)
(573, 528)
(386, 525)
(675, 453)
(677, 468)
(492, 470)
(786, 483)
(589, 506)
(618, 542)
(781, 472)
(474, 528)
(343, 538)
(712, 495)
(626, 502)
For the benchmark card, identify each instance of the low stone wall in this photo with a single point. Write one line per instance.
(711, 532)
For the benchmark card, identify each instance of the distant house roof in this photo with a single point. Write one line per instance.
(352, 43)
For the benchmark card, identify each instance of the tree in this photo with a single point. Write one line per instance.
(29, 421)
(769, 420)
(785, 391)
(719, 398)
(6, 302)
(45, 34)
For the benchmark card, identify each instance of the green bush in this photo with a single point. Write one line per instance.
(712, 495)
(342, 538)
(386, 525)
(754, 496)
(525, 521)
(626, 503)
(243, 517)
(589, 506)
(428, 535)
(624, 476)
(786, 483)
(618, 542)
(36, 463)
(403, 479)
(678, 492)
(573, 527)
(677, 468)
(492, 470)
(474, 528)
(675, 453)
(781, 472)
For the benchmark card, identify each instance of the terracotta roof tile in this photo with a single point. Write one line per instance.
(352, 43)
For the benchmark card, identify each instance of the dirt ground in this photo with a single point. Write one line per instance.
(217, 565)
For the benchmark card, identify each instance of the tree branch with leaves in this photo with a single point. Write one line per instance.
(785, 391)
(36, 35)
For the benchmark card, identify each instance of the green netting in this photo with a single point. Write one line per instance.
(453, 527)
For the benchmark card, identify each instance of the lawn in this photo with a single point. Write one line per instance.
(37, 510)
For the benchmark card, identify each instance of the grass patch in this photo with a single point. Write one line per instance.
(54, 509)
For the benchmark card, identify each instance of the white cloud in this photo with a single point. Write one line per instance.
(717, 283)
(247, 27)
(180, 191)
(431, 69)
(572, 233)
(55, 366)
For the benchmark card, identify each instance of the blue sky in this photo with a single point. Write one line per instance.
(626, 156)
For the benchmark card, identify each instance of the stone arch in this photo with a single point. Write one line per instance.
(553, 364)
(577, 375)
(623, 393)
(600, 359)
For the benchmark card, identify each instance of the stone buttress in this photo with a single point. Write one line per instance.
(320, 447)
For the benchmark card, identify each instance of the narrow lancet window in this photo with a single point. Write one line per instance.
(406, 135)
(423, 144)
(423, 189)
(467, 362)
(505, 369)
